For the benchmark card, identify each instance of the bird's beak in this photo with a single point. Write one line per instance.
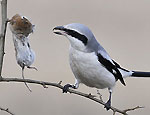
(60, 30)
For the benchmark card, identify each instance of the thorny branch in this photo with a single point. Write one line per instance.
(58, 85)
(6, 110)
(3, 31)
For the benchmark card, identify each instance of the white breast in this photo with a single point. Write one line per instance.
(88, 70)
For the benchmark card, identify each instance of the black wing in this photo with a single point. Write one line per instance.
(118, 66)
(111, 67)
(28, 45)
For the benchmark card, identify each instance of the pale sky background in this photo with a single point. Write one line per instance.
(121, 26)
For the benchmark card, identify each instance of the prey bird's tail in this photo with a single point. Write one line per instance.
(140, 74)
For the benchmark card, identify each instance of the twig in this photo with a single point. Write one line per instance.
(131, 109)
(60, 82)
(114, 112)
(3, 31)
(58, 85)
(100, 95)
(6, 110)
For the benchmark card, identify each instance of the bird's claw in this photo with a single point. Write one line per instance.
(66, 87)
(107, 105)
(32, 68)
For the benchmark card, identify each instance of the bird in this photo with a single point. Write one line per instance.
(90, 63)
(21, 27)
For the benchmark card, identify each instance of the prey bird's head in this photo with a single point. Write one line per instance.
(20, 25)
(80, 36)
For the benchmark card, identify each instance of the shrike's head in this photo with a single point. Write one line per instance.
(20, 25)
(79, 35)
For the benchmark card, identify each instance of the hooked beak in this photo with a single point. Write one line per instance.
(60, 30)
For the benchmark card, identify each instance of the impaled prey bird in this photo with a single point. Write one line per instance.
(21, 27)
(90, 63)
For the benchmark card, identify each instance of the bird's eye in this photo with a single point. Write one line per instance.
(22, 17)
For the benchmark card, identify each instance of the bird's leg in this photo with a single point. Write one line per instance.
(108, 103)
(32, 68)
(23, 78)
(67, 86)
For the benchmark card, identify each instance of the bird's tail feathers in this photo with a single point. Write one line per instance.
(140, 74)
(125, 73)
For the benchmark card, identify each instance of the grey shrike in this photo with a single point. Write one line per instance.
(21, 27)
(90, 63)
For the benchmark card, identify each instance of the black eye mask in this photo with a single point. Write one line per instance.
(77, 35)
(72, 33)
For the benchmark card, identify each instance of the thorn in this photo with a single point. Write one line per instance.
(91, 96)
(32, 68)
(100, 95)
(59, 83)
(43, 84)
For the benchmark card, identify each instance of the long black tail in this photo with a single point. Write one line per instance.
(140, 74)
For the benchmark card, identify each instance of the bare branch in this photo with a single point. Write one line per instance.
(6, 110)
(131, 109)
(58, 85)
(3, 31)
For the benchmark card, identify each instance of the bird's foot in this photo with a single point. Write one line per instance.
(32, 68)
(66, 87)
(107, 105)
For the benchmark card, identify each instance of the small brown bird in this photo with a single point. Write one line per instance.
(21, 27)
